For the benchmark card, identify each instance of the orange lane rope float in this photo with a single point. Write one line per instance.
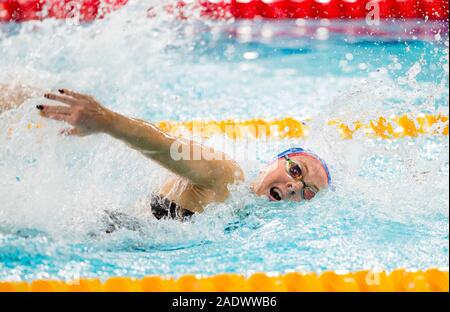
(237, 129)
(393, 127)
(433, 279)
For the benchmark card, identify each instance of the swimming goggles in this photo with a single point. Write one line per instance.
(296, 150)
(295, 171)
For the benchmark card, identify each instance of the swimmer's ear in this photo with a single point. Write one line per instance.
(70, 131)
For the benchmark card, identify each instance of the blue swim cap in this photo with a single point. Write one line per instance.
(294, 150)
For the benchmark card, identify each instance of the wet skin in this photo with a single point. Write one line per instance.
(274, 182)
(196, 183)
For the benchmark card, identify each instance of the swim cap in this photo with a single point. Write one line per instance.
(294, 150)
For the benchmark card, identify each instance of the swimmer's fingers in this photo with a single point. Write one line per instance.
(56, 116)
(55, 109)
(74, 94)
(61, 98)
(61, 113)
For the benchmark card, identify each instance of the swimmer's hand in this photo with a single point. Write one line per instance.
(83, 112)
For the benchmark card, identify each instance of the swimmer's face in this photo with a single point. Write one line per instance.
(276, 184)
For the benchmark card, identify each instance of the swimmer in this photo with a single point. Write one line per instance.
(293, 175)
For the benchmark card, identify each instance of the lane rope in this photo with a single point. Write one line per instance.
(390, 128)
(430, 280)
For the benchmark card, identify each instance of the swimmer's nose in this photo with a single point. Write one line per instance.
(293, 190)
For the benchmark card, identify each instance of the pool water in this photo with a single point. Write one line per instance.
(389, 206)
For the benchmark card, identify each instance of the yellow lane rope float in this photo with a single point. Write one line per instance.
(434, 279)
(393, 127)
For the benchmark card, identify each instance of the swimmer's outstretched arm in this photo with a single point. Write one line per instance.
(88, 116)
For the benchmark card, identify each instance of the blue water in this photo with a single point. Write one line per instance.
(390, 204)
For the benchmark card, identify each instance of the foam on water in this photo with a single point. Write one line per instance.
(388, 208)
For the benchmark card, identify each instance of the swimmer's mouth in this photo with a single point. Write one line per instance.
(275, 194)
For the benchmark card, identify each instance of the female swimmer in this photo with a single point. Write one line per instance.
(294, 175)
